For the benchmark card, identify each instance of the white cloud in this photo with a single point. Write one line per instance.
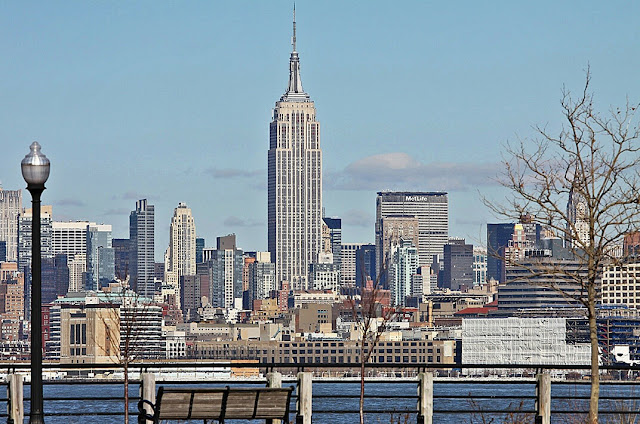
(400, 171)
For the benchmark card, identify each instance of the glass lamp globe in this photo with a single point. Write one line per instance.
(35, 166)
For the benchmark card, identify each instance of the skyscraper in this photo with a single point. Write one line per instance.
(577, 232)
(365, 264)
(70, 238)
(498, 238)
(348, 264)
(432, 211)
(199, 247)
(142, 236)
(458, 264)
(10, 208)
(261, 277)
(332, 238)
(180, 258)
(225, 272)
(24, 237)
(100, 257)
(403, 265)
(391, 230)
(294, 181)
(122, 257)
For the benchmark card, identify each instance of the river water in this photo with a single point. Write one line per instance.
(464, 401)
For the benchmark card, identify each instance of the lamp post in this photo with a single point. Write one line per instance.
(35, 171)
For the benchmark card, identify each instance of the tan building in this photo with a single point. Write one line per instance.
(180, 258)
(11, 302)
(89, 334)
(265, 310)
(328, 352)
(11, 291)
(621, 285)
(301, 297)
(315, 318)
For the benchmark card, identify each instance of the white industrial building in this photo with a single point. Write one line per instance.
(535, 341)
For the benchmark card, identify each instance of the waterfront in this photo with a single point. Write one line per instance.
(464, 402)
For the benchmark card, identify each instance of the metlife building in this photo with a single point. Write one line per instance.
(432, 211)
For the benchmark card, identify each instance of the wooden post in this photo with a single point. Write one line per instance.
(274, 379)
(305, 398)
(148, 391)
(15, 396)
(543, 398)
(425, 398)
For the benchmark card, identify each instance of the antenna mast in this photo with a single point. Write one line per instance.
(294, 28)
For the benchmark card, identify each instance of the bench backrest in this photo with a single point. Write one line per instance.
(222, 403)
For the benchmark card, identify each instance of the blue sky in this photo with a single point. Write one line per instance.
(172, 100)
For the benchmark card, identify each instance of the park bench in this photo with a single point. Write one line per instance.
(218, 404)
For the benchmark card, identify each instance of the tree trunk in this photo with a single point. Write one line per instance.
(362, 385)
(595, 369)
(126, 392)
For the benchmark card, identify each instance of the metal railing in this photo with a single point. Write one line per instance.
(422, 393)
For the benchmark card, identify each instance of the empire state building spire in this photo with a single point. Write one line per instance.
(294, 92)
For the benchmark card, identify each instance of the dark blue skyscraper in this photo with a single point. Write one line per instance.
(365, 263)
(199, 248)
(142, 236)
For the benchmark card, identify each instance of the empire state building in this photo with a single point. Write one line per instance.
(294, 180)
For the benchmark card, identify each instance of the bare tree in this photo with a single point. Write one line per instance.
(592, 166)
(372, 319)
(126, 332)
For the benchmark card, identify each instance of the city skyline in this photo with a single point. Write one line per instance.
(140, 101)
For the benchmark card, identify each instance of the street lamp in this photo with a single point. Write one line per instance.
(35, 171)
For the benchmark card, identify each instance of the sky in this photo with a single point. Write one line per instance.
(171, 101)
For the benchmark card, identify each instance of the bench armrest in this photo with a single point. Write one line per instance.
(143, 415)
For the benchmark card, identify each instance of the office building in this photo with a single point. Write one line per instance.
(479, 265)
(142, 236)
(348, 263)
(225, 266)
(100, 257)
(365, 264)
(199, 247)
(324, 274)
(432, 211)
(390, 230)
(10, 208)
(332, 238)
(70, 238)
(541, 283)
(262, 277)
(458, 264)
(25, 225)
(621, 285)
(404, 263)
(192, 289)
(3, 251)
(294, 181)
(55, 278)
(77, 271)
(577, 232)
(11, 292)
(498, 238)
(180, 258)
(122, 258)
